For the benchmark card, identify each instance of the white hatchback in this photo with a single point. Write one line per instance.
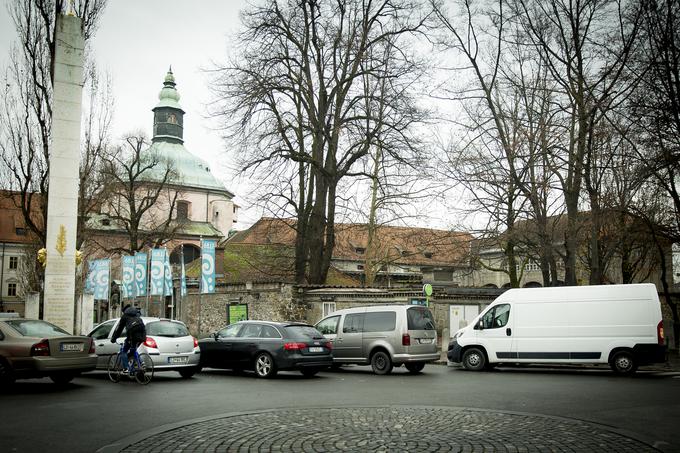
(168, 342)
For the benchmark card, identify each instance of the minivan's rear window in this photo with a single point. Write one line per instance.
(380, 321)
(303, 332)
(420, 318)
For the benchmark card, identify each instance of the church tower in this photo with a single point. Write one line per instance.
(168, 116)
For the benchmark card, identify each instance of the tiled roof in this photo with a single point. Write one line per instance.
(263, 263)
(403, 245)
(12, 219)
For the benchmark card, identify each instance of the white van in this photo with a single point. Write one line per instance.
(619, 325)
(383, 336)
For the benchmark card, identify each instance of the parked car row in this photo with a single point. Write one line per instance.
(384, 337)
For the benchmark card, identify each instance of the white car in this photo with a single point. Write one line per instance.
(168, 342)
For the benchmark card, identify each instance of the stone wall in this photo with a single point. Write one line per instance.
(265, 301)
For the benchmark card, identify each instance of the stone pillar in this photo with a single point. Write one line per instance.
(32, 306)
(62, 207)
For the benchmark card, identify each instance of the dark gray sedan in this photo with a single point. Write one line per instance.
(267, 347)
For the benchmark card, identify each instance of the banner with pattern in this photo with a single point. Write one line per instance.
(101, 276)
(157, 272)
(140, 273)
(208, 266)
(167, 272)
(91, 275)
(128, 287)
(183, 280)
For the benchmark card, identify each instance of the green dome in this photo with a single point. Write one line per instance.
(193, 171)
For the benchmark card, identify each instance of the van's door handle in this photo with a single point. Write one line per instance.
(508, 331)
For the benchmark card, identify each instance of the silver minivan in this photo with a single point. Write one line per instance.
(384, 336)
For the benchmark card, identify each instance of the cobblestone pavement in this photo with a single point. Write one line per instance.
(384, 429)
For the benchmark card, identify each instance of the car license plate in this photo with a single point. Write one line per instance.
(315, 349)
(71, 347)
(426, 341)
(183, 359)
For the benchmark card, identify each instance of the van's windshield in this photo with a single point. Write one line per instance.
(420, 318)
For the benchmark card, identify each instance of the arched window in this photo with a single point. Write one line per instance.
(191, 253)
(182, 210)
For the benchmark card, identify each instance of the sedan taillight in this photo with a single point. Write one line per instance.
(41, 349)
(92, 350)
(195, 342)
(150, 343)
(329, 345)
(294, 346)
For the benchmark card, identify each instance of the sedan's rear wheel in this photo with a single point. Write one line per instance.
(62, 378)
(6, 375)
(265, 366)
(309, 372)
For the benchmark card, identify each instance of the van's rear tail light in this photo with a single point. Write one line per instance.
(406, 340)
(294, 346)
(659, 332)
(92, 350)
(150, 343)
(41, 349)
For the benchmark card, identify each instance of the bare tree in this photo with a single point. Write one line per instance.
(141, 197)
(585, 46)
(26, 111)
(296, 89)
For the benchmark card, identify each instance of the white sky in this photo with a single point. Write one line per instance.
(136, 42)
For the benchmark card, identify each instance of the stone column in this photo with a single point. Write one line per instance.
(62, 207)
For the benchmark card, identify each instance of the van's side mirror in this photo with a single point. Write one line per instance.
(215, 335)
(479, 325)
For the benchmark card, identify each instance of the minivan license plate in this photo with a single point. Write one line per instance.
(315, 349)
(426, 341)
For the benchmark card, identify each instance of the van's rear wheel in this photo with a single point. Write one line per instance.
(381, 363)
(623, 363)
(414, 368)
(474, 359)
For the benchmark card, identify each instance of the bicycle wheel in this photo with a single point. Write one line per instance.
(144, 369)
(115, 368)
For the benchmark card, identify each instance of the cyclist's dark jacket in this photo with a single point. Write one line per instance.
(132, 321)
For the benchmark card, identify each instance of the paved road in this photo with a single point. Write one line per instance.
(443, 409)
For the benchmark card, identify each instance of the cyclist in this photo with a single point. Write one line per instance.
(131, 320)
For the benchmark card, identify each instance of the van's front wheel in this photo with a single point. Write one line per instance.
(474, 359)
(623, 363)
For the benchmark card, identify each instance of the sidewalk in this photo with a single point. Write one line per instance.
(672, 364)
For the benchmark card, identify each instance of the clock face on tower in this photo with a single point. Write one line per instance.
(172, 119)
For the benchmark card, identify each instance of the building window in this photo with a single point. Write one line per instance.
(20, 231)
(360, 267)
(13, 262)
(427, 255)
(182, 210)
(11, 289)
(360, 250)
(328, 308)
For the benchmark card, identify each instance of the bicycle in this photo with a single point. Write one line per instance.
(140, 366)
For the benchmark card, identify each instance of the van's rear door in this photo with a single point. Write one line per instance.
(421, 329)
